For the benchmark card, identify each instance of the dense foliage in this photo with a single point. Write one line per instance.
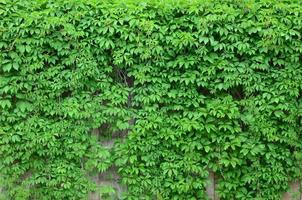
(206, 85)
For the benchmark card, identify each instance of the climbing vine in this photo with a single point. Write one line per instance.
(198, 86)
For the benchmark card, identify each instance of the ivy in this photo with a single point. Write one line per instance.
(197, 86)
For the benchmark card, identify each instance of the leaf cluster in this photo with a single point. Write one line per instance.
(201, 85)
